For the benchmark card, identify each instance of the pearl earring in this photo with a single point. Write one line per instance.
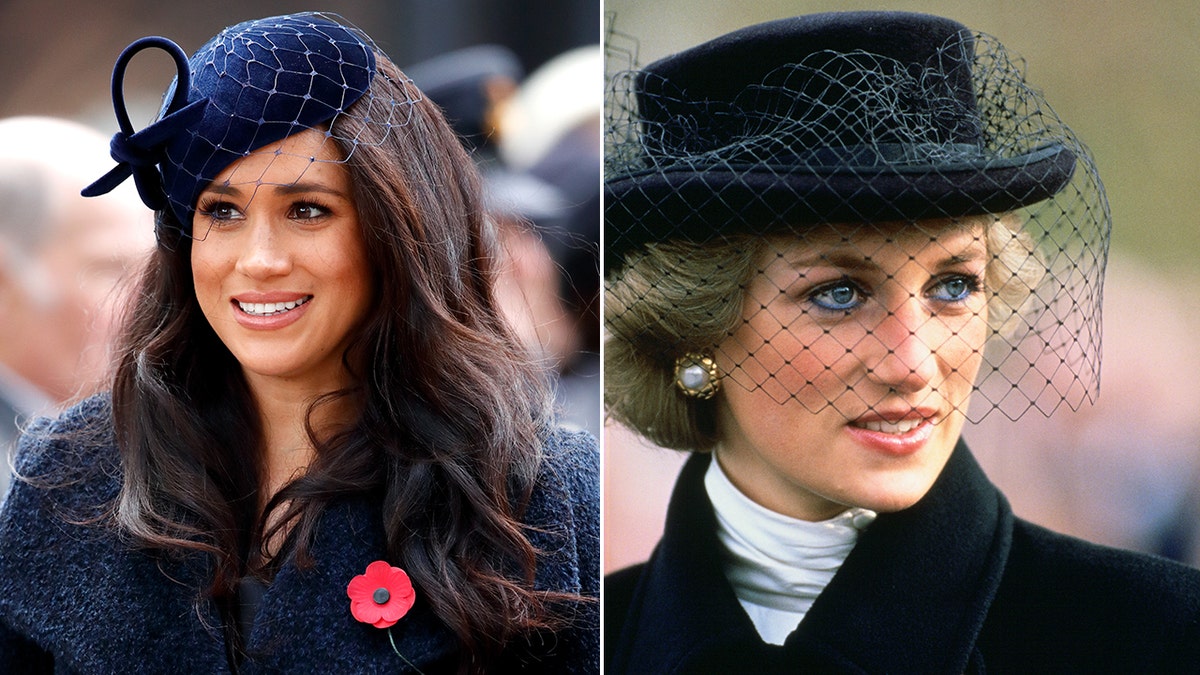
(696, 375)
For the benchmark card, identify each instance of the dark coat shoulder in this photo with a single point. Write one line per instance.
(77, 596)
(1066, 604)
(954, 584)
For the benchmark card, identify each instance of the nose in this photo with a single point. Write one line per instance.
(263, 251)
(905, 348)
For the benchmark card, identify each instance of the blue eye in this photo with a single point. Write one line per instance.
(955, 288)
(839, 296)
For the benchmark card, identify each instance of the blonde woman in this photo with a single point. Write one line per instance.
(831, 239)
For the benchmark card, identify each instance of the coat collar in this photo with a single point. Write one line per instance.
(313, 602)
(915, 590)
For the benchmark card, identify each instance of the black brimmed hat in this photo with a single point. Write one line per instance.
(841, 117)
(847, 119)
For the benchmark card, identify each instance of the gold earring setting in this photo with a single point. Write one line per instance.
(696, 376)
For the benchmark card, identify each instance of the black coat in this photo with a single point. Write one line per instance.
(954, 584)
(76, 598)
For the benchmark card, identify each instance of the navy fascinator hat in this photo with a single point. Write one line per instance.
(251, 85)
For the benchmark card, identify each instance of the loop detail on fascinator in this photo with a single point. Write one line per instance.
(251, 85)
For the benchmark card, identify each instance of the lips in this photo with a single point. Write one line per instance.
(895, 420)
(897, 427)
(269, 311)
(271, 308)
(897, 433)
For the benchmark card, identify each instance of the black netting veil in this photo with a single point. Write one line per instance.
(830, 216)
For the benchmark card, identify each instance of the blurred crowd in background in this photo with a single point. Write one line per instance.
(536, 139)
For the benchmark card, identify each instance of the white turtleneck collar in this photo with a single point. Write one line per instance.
(777, 564)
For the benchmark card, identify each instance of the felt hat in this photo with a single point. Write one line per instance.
(251, 85)
(865, 122)
(838, 117)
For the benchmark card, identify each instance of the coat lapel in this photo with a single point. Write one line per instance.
(915, 591)
(81, 592)
(911, 597)
(304, 622)
(684, 611)
(97, 606)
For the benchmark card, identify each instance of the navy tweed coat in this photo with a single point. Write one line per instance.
(954, 584)
(77, 598)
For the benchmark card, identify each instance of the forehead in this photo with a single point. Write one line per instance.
(880, 242)
(310, 154)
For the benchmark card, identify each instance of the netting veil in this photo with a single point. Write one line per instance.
(832, 215)
(251, 85)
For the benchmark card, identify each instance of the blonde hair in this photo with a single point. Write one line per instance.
(1015, 270)
(676, 297)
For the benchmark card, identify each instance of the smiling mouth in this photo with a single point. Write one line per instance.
(271, 308)
(898, 427)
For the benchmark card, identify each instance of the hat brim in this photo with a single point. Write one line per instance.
(697, 203)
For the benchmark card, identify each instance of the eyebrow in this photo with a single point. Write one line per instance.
(301, 187)
(851, 258)
(967, 257)
(848, 258)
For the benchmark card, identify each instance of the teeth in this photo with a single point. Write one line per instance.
(269, 308)
(899, 427)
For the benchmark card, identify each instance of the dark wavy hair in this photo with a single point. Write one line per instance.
(449, 408)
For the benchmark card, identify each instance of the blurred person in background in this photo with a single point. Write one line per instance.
(551, 131)
(62, 260)
(536, 141)
(472, 86)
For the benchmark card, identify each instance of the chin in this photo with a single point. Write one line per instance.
(891, 505)
(899, 495)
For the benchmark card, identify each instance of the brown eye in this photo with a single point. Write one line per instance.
(219, 211)
(308, 211)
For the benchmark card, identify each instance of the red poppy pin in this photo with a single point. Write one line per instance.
(382, 595)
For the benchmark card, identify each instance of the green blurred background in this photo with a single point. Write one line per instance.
(1125, 76)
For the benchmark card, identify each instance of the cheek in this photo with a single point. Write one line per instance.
(206, 276)
(349, 274)
(961, 355)
(354, 259)
(806, 364)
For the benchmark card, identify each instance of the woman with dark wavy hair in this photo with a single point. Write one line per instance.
(324, 449)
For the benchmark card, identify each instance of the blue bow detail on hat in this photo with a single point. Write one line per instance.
(139, 154)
